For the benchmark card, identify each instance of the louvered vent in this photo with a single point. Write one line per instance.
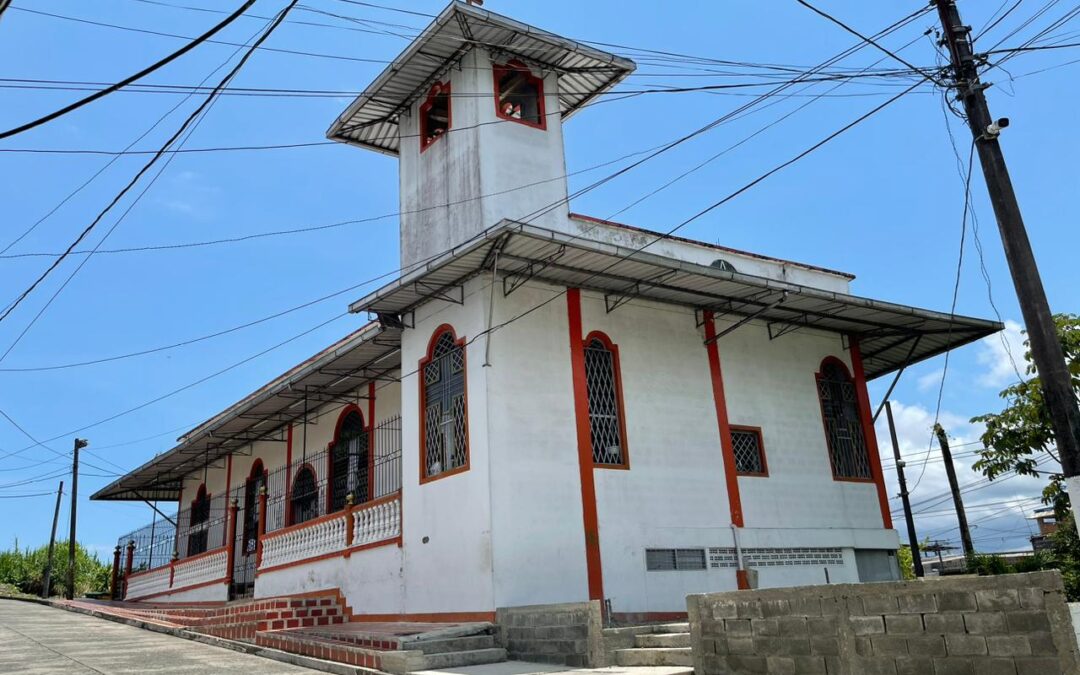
(666, 559)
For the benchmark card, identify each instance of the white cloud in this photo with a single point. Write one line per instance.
(994, 355)
(995, 510)
(930, 380)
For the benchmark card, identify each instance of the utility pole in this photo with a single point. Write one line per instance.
(1042, 334)
(4, 5)
(79, 443)
(913, 540)
(958, 501)
(52, 543)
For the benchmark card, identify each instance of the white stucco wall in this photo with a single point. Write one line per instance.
(483, 170)
(674, 494)
(371, 580)
(451, 571)
(209, 593)
(702, 253)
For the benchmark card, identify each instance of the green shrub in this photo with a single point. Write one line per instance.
(25, 570)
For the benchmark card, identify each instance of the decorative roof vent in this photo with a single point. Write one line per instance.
(722, 264)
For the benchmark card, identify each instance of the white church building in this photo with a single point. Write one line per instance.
(545, 407)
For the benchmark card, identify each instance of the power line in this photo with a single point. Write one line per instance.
(128, 80)
(153, 160)
(660, 237)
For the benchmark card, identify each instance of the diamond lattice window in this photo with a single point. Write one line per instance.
(843, 424)
(605, 422)
(749, 451)
(445, 432)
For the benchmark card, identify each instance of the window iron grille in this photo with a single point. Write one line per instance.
(445, 425)
(843, 424)
(749, 451)
(602, 390)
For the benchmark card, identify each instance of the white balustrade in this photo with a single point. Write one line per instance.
(377, 523)
(142, 584)
(200, 570)
(371, 524)
(304, 541)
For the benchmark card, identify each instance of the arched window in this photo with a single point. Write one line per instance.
(349, 461)
(844, 431)
(444, 438)
(304, 501)
(255, 482)
(519, 95)
(435, 115)
(604, 388)
(199, 532)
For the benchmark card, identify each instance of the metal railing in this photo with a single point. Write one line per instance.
(371, 475)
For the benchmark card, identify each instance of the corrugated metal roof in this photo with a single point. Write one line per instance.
(890, 335)
(372, 119)
(262, 415)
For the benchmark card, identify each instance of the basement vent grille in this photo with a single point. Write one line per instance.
(667, 559)
(775, 557)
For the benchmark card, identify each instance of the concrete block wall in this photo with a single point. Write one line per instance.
(1005, 625)
(569, 634)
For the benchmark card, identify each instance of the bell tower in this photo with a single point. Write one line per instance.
(474, 109)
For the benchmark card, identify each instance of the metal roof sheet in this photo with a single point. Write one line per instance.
(372, 119)
(890, 335)
(359, 357)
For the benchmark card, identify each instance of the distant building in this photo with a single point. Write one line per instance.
(546, 407)
(1048, 525)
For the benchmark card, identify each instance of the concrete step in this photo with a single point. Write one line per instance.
(472, 657)
(460, 644)
(662, 640)
(655, 656)
(683, 627)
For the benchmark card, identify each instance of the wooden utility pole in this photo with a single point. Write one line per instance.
(958, 501)
(1042, 334)
(79, 444)
(913, 540)
(52, 543)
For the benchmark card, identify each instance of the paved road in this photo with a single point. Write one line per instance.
(37, 639)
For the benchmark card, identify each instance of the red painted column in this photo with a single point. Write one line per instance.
(727, 449)
(371, 440)
(113, 587)
(230, 553)
(868, 429)
(228, 486)
(262, 526)
(128, 564)
(584, 442)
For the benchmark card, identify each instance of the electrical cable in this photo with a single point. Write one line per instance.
(519, 316)
(187, 122)
(132, 78)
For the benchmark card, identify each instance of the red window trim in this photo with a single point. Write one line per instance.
(350, 408)
(288, 504)
(825, 427)
(436, 89)
(191, 510)
(257, 464)
(498, 71)
(761, 451)
(422, 387)
(617, 374)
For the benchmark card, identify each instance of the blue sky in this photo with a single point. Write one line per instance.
(883, 201)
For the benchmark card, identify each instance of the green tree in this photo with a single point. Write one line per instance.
(1016, 437)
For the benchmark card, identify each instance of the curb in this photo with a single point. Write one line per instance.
(244, 647)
